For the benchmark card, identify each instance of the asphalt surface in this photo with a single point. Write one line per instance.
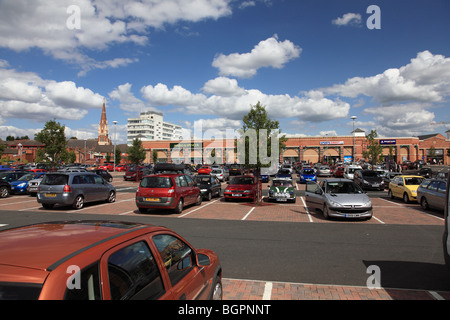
(409, 256)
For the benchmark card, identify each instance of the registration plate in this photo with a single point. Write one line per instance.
(281, 199)
(353, 215)
(237, 195)
(151, 199)
(50, 195)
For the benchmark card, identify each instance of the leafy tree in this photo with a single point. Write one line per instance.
(258, 146)
(118, 155)
(136, 153)
(155, 156)
(54, 139)
(374, 151)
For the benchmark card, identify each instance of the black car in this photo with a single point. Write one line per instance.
(10, 176)
(103, 173)
(209, 185)
(425, 172)
(5, 189)
(368, 179)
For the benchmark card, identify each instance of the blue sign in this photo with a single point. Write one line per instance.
(388, 141)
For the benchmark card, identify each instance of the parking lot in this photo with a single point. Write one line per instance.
(385, 212)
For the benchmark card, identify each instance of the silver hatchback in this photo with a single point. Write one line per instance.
(74, 189)
(341, 198)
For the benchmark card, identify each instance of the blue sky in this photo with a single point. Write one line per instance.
(313, 64)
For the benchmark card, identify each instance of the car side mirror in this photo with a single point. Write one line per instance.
(203, 260)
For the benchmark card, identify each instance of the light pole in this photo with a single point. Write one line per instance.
(353, 132)
(114, 138)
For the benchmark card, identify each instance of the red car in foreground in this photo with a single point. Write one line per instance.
(167, 191)
(104, 260)
(241, 187)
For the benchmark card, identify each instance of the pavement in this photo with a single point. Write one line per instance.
(386, 211)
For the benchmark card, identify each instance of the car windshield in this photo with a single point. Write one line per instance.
(280, 183)
(28, 177)
(203, 179)
(413, 181)
(19, 291)
(242, 180)
(308, 171)
(55, 179)
(156, 182)
(371, 174)
(216, 171)
(343, 187)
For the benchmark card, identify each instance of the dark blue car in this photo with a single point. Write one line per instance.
(308, 175)
(20, 186)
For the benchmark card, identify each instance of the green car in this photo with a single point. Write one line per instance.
(282, 189)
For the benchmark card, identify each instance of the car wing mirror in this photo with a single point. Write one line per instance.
(203, 260)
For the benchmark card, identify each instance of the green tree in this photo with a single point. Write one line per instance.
(54, 139)
(256, 135)
(374, 151)
(155, 156)
(118, 156)
(136, 153)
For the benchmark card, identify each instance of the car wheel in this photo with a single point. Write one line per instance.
(209, 197)
(200, 198)
(217, 292)
(4, 192)
(78, 203)
(179, 207)
(325, 212)
(424, 203)
(390, 195)
(111, 197)
(405, 198)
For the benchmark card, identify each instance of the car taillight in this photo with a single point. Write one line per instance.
(67, 189)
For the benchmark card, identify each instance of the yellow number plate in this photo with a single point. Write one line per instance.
(50, 195)
(152, 199)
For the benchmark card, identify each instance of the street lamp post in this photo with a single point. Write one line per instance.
(114, 138)
(353, 132)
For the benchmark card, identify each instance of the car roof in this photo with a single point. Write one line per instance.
(56, 242)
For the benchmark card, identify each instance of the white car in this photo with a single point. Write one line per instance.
(350, 170)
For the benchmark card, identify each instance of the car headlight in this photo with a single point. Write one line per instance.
(367, 204)
(334, 203)
(203, 190)
(247, 191)
(21, 185)
(227, 190)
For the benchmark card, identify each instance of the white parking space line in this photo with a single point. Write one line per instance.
(248, 213)
(183, 215)
(16, 202)
(436, 295)
(397, 204)
(377, 219)
(307, 210)
(267, 291)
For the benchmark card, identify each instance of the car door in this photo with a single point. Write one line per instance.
(188, 281)
(393, 185)
(314, 196)
(191, 190)
(131, 271)
(441, 201)
(101, 188)
(217, 186)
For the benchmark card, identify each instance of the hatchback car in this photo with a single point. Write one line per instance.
(104, 260)
(74, 189)
(241, 187)
(209, 186)
(308, 174)
(324, 171)
(167, 191)
(431, 194)
(368, 179)
(282, 189)
(340, 198)
(221, 174)
(405, 187)
(204, 170)
(20, 186)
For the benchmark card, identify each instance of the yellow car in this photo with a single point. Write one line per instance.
(405, 187)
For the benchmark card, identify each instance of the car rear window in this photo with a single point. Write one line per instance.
(19, 291)
(156, 182)
(55, 179)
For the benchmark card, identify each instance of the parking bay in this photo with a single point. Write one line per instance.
(285, 242)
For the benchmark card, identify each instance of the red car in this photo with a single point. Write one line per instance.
(204, 170)
(135, 173)
(167, 191)
(339, 172)
(241, 187)
(104, 260)
(107, 166)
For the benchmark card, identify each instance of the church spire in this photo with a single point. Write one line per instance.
(103, 132)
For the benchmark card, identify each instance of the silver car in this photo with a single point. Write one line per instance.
(74, 189)
(341, 198)
(431, 194)
(221, 174)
